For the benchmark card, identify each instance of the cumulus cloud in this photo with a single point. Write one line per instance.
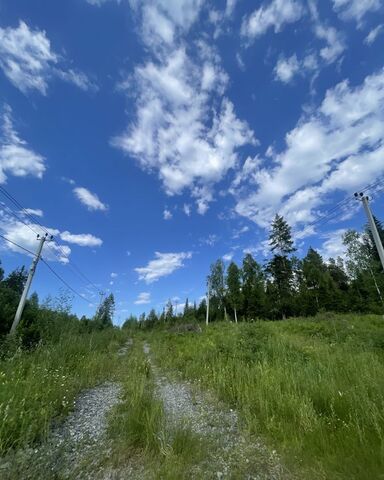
(185, 129)
(28, 61)
(337, 147)
(16, 158)
(162, 265)
(275, 15)
(89, 199)
(24, 233)
(143, 298)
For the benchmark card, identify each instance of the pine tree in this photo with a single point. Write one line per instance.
(280, 238)
(168, 311)
(234, 287)
(280, 266)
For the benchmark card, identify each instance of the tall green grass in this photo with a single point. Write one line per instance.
(140, 433)
(38, 387)
(313, 388)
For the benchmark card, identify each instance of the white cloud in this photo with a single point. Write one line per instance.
(163, 265)
(334, 40)
(143, 298)
(210, 240)
(82, 239)
(24, 235)
(228, 257)
(187, 209)
(114, 275)
(170, 134)
(185, 129)
(337, 147)
(36, 212)
(240, 232)
(89, 199)
(373, 34)
(16, 158)
(167, 214)
(356, 9)
(274, 15)
(333, 246)
(287, 68)
(29, 62)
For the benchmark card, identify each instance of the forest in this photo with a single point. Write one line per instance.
(286, 285)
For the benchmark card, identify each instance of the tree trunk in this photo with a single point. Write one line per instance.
(225, 313)
(235, 315)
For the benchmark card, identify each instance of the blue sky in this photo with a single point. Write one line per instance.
(152, 137)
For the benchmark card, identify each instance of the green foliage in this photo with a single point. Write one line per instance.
(234, 293)
(105, 312)
(40, 385)
(313, 388)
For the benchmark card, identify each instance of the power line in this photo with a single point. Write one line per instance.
(334, 211)
(17, 245)
(65, 283)
(34, 220)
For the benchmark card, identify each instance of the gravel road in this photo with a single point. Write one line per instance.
(233, 455)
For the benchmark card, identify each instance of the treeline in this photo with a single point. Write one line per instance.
(288, 286)
(45, 321)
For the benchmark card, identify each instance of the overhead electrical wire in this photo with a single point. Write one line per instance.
(64, 282)
(17, 245)
(75, 269)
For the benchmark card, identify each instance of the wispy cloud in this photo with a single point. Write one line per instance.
(272, 15)
(89, 199)
(28, 61)
(143, 298)
(162, 265)
(83, 239)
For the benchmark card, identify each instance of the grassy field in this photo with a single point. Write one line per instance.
(38, 387)
(314, 389)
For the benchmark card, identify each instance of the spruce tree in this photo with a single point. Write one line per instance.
(105, 312)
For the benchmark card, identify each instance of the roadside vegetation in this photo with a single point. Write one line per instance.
(52, 357)
(314, 389)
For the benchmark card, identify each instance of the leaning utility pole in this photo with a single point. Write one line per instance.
(208, 294)
(27, 286)
(372, 225)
